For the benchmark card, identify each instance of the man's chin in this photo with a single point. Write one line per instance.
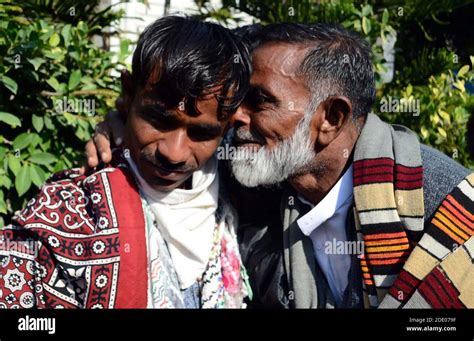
(166, 185)
(244, 172)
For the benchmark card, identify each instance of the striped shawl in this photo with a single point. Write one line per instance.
(408, 261)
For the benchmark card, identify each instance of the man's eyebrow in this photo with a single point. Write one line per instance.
(158, 111)
(155, 109)
(207, 127)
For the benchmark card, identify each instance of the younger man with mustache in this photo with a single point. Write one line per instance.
(153, 228)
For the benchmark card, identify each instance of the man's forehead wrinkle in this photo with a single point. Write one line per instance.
(284, 60)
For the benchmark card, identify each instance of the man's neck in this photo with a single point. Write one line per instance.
(188, 184)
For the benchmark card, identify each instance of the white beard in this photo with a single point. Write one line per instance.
(272, 166)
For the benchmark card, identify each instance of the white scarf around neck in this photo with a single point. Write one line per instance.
(186, 219)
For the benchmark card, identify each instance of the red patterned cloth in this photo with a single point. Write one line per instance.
(78, 244)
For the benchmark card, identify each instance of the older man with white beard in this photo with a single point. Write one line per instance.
(266, 166)
(347, 179)
(370, 217)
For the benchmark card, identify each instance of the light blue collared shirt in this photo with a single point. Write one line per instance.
(325, 225)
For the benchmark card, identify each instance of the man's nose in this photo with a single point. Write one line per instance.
(241, 117)
(175, 147)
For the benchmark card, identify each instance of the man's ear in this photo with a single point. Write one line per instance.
(331, 115)
(124, 103)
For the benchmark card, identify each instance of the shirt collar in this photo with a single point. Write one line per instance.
(339, 194)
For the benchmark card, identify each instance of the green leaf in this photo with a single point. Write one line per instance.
(365, 25)
(460, 85)
(36, 62)
(57, 54)
(38, 122)
(54, 40)
(385, 17)
(442, 132)
(3, 151)
(60, 165)
(22, 141)
(23, 181)
(48, 123)
(6, 181)
(70, 118)
(75, 55)
(124, 46)
(74, 79)
(14, 164)
(366, 10)
(53, 82)
(10, 119)
(424, 132)
(445, 116)
(462, 71)
(66, 33)
(38, 176)
(3, 205)
(10, 84)
(42, 158)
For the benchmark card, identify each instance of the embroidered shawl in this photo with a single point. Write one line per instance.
(80, 243)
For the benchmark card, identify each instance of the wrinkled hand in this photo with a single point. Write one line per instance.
(99, 148)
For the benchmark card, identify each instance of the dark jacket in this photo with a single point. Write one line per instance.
(261, 232)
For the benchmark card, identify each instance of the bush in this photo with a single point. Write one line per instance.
(55, 86)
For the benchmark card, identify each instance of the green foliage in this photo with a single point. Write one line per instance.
(444, 107)
(72, 12)
(55, 85)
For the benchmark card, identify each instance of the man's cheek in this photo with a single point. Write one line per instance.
(205, 150)
(144, 133)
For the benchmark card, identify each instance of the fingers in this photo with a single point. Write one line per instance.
(91, 157)
(102, 144)
(99, 149)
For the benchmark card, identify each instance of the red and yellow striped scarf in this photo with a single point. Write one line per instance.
(400, 269)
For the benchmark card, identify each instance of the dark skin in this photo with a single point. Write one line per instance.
(276, 103)
(167, 144)
(333, 134)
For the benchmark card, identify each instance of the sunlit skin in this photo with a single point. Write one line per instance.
(168, 145)
(279, 105)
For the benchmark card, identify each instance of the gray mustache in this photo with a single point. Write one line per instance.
(241, 134)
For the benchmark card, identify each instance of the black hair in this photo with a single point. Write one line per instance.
(192, 59)
(338, 60)
(247, 32)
